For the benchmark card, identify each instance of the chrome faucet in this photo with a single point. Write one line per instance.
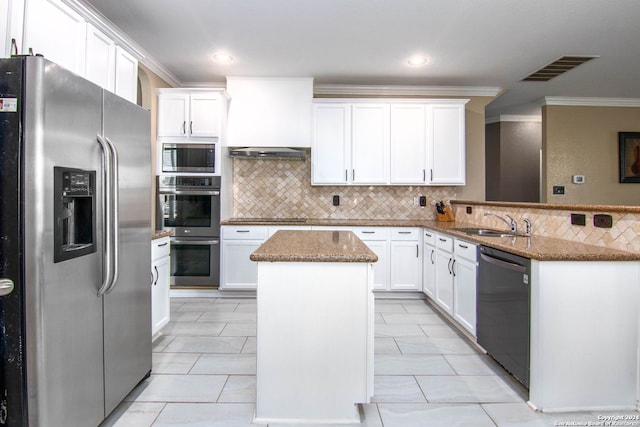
(527, 224)
(511, 223)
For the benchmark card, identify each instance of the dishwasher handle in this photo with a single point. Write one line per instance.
(504, 264)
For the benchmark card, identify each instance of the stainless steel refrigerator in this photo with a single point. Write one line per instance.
(75, 204)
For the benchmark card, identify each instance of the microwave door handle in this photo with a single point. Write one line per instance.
(115, 205)
(107, 232)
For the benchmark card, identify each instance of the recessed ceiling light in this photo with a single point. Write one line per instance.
(417, 61)
(223, 58)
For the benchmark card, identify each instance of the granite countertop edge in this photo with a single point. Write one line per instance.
(536, 247)
(159, 234)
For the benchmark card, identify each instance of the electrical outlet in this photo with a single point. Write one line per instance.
(603, 221)
(336, 200)
(423, 201)
(558, 189)
(578, 219)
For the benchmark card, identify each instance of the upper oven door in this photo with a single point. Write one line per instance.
(190, 213)
(180, 157)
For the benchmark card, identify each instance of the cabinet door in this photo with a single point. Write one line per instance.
(100, 58)
(446, 137)
(444, 281)
(54, 30)
(126, 79)
(173, 109)
(381, 267)
(429, 271)
(330, 141)
(160, 306)
(204, 120)
(237, 270)
(465, 294)
(408, 144)
(406, 266)
(370, 144)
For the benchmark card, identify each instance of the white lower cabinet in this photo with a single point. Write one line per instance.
(237, 271)
(444, 273)
(464, 287)
(429, 264)
(377, 239)
(406, 259)
(160, 275)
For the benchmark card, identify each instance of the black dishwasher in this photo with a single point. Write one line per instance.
(503, 304)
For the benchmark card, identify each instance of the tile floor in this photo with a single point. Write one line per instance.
(425, 373)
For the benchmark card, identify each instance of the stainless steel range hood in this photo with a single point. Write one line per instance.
(267, 153)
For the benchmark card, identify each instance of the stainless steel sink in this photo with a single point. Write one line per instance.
(486, 232)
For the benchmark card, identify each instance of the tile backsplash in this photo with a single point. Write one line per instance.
(281, 188)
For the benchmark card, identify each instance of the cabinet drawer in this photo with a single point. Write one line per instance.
(429, 237)
(160, 248)
(405, 234)
(465, 250)
(244, 233)
(371, 233)
(444, 242)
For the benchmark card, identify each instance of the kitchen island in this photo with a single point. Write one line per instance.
(315, 318)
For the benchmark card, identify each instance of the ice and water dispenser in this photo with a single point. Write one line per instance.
(75, 213)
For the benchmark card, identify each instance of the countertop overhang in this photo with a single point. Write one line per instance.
(534, 247)
(314, 246)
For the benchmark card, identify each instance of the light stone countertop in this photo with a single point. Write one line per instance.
(314, 246)
(159, 234)
(535, 247)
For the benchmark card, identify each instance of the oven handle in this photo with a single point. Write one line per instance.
(196, 242)
(190, 193)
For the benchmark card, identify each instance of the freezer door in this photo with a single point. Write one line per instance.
(63, 313)
(127, 306)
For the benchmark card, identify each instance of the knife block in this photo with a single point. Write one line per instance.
(447, 216)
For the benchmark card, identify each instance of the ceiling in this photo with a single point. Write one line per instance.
(489, 43)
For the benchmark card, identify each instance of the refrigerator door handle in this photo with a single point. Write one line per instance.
(115, 214)
(6, 287)
(107, 269)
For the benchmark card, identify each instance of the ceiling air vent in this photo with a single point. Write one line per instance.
(557, 67)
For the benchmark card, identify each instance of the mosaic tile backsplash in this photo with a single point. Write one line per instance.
(282, 189)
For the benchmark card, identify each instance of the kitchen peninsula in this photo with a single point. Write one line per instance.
(315, 318)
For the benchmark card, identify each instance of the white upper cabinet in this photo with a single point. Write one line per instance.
(331, 143)
(57, 32)
(188, 114)
(100, 58)
(446, 142)
(126, 75)
(399, 142)
(369, 144)
(269, 112)
(408, 144)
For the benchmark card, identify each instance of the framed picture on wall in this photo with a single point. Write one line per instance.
(629, 148)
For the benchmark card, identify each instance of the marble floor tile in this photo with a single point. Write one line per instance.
(396, 389)
(207, 306)
(439, 331)
(227, 316)
(403, 364)
(239, 389)
(400, 330)
(474, 364)
(521, 415)
(183, 329)
(173, 363)
(369, 417)
(413, 319)
(433, 415)
(229, 364)
(161, 342)
(134, 414)
(179, 388)
(425, 345)
(185, 316)
(247, 307)
(191, 344)
(467, 389)
(206, 415)
(249, 346)
(239, 330)
(385, 346)
(389, 307)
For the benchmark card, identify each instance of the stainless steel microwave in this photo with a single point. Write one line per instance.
(180, 157)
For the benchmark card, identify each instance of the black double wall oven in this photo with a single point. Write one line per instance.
(190, 207)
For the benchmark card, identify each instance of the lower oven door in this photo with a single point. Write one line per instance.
(195, 263)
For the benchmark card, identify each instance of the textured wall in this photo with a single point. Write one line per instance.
(282, 189)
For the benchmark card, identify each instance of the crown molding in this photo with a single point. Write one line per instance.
(590, 102)
(98, 20)
(404, 90)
